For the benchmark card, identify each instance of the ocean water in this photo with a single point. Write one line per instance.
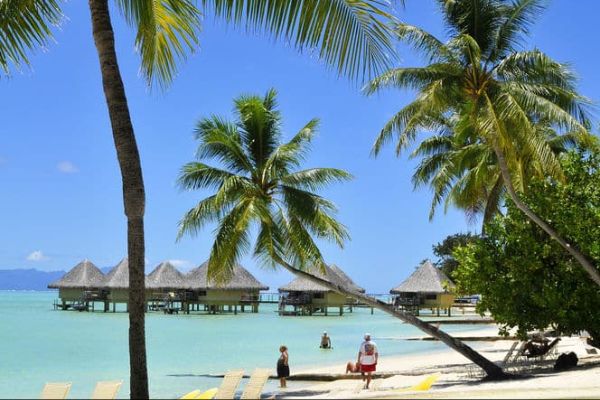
(39, 345)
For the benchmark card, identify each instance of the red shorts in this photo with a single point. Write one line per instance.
(367, 367)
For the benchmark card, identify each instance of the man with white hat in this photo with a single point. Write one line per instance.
(367, 358)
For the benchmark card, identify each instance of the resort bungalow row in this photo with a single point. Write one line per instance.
(303, 297)
(426, 288)
(167, 289)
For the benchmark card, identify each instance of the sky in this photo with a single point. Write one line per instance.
(60, 188)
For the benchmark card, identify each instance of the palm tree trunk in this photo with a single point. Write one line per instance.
(492, 370)
(133, 191)
(578, 255)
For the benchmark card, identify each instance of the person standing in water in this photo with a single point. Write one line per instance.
(367, 358)
(283, 367)
(325, 341)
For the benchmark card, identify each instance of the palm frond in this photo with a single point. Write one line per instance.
(354, 36)
(231, 241)
(315, 178)
(197, 175)
(220, 139)
(258, 125)
(167, 30)
(519, 16)
(24, 26)
(423, 42)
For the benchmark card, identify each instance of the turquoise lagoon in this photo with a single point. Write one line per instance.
(39, 344)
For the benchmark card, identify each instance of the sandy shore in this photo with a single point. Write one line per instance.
(460, 379)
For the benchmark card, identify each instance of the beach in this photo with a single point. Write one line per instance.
(459, 379)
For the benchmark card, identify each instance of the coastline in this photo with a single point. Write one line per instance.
(458, 377)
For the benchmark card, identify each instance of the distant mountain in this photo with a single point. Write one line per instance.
(27, 279)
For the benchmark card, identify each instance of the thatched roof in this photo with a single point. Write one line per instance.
(84, 275)
(241, 280)
(165, 276)
(425, 279)
(118, 277)
(332, 274)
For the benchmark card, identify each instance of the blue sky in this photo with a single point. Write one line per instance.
(60, 185)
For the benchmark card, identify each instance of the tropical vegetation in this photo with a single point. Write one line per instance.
(489, 102)
(258, 184)
(526, 280)
(351, 35)
(444, 251)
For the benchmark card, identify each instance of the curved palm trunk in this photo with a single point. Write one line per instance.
(492, 370)
(578, 255)
(133, 191)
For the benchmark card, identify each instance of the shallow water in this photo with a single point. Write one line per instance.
(39, 344)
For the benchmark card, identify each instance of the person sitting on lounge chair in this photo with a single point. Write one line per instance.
(537, 347)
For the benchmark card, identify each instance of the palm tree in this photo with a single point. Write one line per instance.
(259, 184)
(463, 172)
(495, 92)
(351, 35)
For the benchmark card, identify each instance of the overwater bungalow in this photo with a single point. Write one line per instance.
(241, 291)
(303, 297)
(116, 283)
(426, 288)
(165, 289)
(80, 288)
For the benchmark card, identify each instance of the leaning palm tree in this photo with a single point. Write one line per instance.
(351, 35)
(259, 184)
(496, 93)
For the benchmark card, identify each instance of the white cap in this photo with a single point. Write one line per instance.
(367, 335)
(324, 332)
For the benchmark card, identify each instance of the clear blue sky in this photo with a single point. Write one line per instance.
(60, 185)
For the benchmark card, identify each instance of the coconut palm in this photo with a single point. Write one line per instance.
(351, 35)
(495, 92)
(259, 184)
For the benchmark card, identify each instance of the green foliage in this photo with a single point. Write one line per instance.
(166, 30)
(479, 94)
(524, 277)
(259, 184)
(445, 251)
(24, 25)
(354, 36)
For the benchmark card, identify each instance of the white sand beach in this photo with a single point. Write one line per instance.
(459, 379)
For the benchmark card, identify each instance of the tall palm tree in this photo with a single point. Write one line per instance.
(496, 92)
(351, 35)
(258, 184)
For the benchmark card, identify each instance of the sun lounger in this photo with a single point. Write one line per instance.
(106, 390)
(255, 385)
(231, 380)
(422, 386)
(55, 390)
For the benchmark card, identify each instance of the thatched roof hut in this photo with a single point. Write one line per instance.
(241, 279)
(165, 276)
(84, 275)
(332, 274)
(425, 279)
(118, 277)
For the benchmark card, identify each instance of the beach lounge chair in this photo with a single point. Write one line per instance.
(255, 385)
(199, 394)
(56, 390)
(422, 386)
(106, 390)
(231, 381)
